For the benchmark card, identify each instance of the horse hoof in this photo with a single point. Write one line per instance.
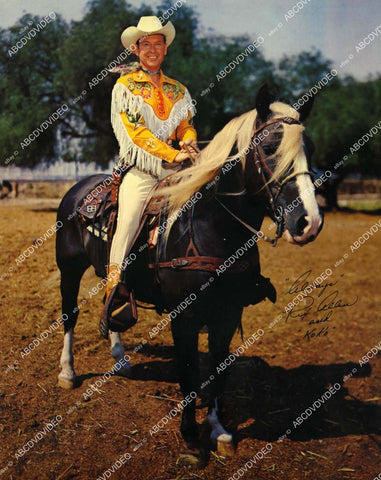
(66, 383)
(122, 367)
(189, 460)
(225, 445)
(124, 372)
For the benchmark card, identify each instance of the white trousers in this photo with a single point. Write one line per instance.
(134, 190)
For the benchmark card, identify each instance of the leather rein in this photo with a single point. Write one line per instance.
(261, 166)
(211, 264)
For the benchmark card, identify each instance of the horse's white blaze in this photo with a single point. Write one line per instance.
(67, 359)
(313, 218)
(307, 194)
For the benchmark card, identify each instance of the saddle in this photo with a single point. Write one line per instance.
(98, 210)
(99, 214)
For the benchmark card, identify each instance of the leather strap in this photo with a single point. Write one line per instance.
(206, 264)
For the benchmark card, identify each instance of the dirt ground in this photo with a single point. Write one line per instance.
(275, 381)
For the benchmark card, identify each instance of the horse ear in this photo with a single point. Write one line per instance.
(306, 108)
(262, 102)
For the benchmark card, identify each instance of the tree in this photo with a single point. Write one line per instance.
(29, 90)
(93, 43)
(340, 118)
(67, 66)
(297, 74)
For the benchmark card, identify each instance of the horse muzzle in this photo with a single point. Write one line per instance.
(306, 229)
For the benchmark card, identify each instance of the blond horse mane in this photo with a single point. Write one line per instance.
(216, 154)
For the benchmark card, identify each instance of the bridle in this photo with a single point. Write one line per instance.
(212, 264)
(262, 166)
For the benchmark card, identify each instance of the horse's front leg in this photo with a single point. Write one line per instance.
(67, 377)
(122, 366)
(72, 270)
(70, 279)
(185, 337)
(221, 330)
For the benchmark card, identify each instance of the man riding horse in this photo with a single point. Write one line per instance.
(148, 111)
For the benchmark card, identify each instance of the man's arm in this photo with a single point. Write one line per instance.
(130, 130)
(187, 135)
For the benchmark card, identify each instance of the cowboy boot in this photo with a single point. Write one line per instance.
(119, 312)
(113, 277)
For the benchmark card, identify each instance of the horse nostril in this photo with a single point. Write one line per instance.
(301, 225)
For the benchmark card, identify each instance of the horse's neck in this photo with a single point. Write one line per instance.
(213, 224)
(231, 179)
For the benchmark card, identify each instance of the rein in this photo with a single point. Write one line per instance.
(211, 264)
(259, 233)
(261, 165)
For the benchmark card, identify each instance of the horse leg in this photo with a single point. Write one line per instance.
(71, 274)
(221, 331)
(185, 337)
(123, 366)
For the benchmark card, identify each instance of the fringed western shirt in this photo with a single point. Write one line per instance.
(145, 117)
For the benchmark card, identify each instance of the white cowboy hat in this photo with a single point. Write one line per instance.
(147, 26)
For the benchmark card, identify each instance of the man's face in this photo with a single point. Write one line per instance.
(151, 51)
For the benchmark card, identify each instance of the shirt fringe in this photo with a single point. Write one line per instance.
(124, 101)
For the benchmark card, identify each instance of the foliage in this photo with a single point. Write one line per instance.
(29, 90)
(340, 118)
(66, 65)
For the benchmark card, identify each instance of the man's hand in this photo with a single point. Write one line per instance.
(191, 144)
(181, 156)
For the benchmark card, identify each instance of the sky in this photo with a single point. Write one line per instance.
(335, 27)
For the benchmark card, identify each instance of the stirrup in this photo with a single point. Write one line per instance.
(119, 312)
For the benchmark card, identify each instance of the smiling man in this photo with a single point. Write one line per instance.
(148, 111)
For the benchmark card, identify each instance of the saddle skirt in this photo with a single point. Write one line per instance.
(95, 211)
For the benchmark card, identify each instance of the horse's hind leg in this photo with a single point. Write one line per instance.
(185, 336)
(71, 274)
(221, 330)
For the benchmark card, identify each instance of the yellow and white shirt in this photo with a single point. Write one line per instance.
(144, 117)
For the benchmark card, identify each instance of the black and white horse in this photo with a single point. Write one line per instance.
(258, 163)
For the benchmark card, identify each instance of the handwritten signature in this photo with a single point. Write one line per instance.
(327, 304)
(302, 282)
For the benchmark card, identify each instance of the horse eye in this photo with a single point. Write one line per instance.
(269, 149)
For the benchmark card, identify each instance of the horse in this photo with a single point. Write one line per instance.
(5, 188)
(257, 164)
